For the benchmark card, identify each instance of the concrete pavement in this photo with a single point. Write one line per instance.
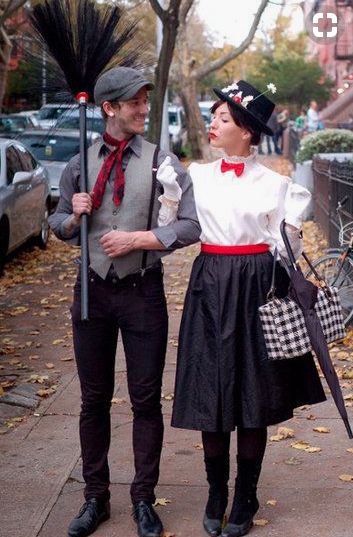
(40, 470)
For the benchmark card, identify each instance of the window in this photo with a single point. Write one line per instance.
(27, 161)
(13, 164)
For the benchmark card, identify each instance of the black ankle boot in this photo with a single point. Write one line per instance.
(245, 503)
(217, 470)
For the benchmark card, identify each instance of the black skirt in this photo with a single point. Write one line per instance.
(224, 378)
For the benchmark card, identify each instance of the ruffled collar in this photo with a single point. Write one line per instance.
(246, 160)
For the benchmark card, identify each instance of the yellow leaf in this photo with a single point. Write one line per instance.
(312, 449)
(271, 502)
(347, 375)
(49, 365)
(118, 400)
(67, 359)
(44, 392)
(300, 445)
(282, 434)
(58, 341)
(261, 522)
(350, 450)
(161, 501)
(198, 446)
(321, 429)
(346, 477)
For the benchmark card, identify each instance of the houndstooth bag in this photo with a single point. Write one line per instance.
(283, 323)
(284, 326)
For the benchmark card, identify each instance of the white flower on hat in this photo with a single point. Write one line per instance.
(247, 100)
(271, 87)
(231, 87)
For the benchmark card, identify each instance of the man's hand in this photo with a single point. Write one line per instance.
(81, 204)
(118, 243)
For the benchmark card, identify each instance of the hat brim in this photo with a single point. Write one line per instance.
(263, 127)
(130, 94)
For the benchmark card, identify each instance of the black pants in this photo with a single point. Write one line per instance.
(136, 305)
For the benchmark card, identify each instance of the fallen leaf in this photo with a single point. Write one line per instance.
(58, 341)
(168, 534)
(271, 502)
(348, 397)
(198, 446)
(346, 477)
(300, 445)
(38, 378)
(322, 429)
(45, 392)
(282, 434)
(261, 522)
(49, 365)
(67, 359)
(312, 449)
(1, 391)
(161, 501)
(350, 450)
(118, 400)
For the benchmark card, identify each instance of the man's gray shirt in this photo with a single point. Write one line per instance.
(185, 230)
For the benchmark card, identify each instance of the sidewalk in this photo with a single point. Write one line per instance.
(300, 492)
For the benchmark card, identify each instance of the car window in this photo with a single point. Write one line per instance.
(59, 148)
(93, 124)
(173, 118)
(51, 112)
(13, 164)
(28, 162)
(12, 124)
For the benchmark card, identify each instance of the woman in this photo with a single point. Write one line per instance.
(224, 378)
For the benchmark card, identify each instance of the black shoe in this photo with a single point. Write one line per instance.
(92, 513)
(148, 522)
(213, 526)
(237, 530)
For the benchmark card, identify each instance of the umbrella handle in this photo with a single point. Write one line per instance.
(287, 245)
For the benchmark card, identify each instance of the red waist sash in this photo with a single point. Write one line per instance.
(241, 249)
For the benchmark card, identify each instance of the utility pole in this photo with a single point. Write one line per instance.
(164, 141)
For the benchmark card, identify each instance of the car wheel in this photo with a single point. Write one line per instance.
(4, 243)
(42, 238)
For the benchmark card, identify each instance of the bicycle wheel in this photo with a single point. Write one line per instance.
(330, 268)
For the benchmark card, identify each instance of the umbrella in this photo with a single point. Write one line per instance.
(304, 293)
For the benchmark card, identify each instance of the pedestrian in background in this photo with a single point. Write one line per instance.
(125, 289)
(224, 379)
(313, 117)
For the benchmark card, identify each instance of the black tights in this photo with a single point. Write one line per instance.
(251, 443)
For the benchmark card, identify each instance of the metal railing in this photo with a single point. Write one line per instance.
(333, 181)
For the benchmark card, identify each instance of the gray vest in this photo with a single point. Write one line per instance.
(130, 215)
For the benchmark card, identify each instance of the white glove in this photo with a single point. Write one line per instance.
(167, 214)
(297, 200)
(166, 175)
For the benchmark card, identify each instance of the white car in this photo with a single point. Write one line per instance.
(24, 198)
(205, 109)
(177, 128)
(49, 113)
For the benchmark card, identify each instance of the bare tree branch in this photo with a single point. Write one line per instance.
(157, 8)
(184, 10)
(236, 51)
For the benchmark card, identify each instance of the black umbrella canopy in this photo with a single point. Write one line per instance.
(304, 293)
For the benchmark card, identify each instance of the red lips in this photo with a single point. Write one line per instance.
(211, 136)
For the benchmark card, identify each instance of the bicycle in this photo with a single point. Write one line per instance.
(336, 266)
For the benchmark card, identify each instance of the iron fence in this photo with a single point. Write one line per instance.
(333, 181)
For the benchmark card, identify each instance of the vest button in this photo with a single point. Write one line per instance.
(115, 212)
(115, 227)
(114, 280)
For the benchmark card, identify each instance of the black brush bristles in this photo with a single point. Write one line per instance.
(84, 38)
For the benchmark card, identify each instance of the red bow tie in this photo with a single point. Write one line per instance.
(238, 167)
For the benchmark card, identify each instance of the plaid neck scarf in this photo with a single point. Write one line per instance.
(115, 157)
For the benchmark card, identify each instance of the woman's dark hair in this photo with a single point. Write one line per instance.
(241, 120)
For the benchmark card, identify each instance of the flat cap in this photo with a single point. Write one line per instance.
(120, 83)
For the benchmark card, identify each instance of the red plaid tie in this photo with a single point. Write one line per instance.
(237, 167)
(115, 157)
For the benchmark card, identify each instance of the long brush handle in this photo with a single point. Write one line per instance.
(82, 99)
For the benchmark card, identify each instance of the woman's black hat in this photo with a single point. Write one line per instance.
(244, 97)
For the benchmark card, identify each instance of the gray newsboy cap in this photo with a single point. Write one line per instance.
(119, 83)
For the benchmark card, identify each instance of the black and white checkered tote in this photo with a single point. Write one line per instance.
(284, 326)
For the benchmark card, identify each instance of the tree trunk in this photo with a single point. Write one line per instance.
(197, 136)
(5, 53)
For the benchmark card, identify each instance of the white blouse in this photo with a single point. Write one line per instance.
(247, 209)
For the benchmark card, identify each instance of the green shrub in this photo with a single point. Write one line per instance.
(325, 141)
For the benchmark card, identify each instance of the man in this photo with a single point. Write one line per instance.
(312, 117)
(122, 296)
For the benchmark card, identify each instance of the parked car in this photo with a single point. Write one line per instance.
(177, 128)
(205, 109)
(49, 113)
(71, 120)
(24, 198)
(54, 148)
(13, 124)
(33, 115)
